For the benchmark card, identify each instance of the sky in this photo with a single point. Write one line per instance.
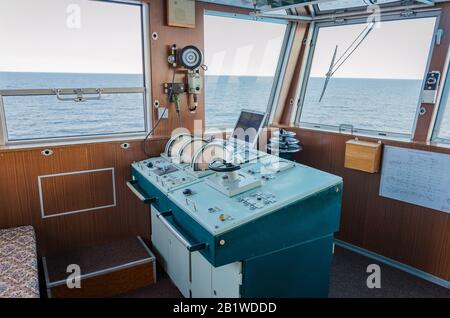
(96, 37)
(242, 47)
(396, 50)
(45, 36)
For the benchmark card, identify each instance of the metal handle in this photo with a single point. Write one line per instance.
(132, 185)
(78, 95)
(190, 247)
(190, 202)
(344, 127)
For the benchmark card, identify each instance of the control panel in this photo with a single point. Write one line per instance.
(163, 174)
(218, 213)
(257, 200)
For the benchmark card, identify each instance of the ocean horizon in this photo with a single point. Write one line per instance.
(366, 103)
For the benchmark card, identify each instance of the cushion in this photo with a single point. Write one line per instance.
(18, 263)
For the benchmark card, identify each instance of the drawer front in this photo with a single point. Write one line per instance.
(194, 232)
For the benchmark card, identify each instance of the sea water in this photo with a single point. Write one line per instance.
(387, 105)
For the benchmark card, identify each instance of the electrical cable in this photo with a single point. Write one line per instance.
(179, 120)
(169, 98)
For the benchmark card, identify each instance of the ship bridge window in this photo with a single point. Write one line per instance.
(243, 59)
(365, 76)
(72, 69)
(442, 128)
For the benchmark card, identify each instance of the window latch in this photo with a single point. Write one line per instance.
(77, 95)
(346, 127)
(407, 12)
(439, 35)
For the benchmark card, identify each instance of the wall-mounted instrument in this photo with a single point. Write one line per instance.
(190, 60)
(431, 87)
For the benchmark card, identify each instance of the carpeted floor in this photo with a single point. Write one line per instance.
(348, 279)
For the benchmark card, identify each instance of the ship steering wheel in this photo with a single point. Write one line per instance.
(223, 166)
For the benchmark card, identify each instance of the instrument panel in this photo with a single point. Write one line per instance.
(219, 213)
(163, 174)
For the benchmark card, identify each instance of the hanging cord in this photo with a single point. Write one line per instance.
(180, 123)
(169, 98)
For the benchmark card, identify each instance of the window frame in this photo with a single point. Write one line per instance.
(145, 90)
(304, 77)
(362, 8)
(442, 103)
(283, 59)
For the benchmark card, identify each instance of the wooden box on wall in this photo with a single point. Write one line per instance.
(181, 13)
(363, 155)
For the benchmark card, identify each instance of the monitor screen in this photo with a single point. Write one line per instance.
(248, 126)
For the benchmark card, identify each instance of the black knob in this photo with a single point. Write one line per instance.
(149, 165)
(187, 192)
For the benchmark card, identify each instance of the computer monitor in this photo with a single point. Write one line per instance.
(248, 127)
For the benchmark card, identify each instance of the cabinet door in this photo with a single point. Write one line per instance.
(201, 276)
(160, 239)
(208, 281)
(178, 265)
(226, 280)
(173, 255)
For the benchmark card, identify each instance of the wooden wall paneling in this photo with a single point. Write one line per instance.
(290, 80)
(291, 77)
(79, 191)
(414, 235)
(290, 107)
(438, 63)
(19, 196)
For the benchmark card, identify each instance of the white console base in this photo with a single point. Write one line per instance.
(193, 275)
